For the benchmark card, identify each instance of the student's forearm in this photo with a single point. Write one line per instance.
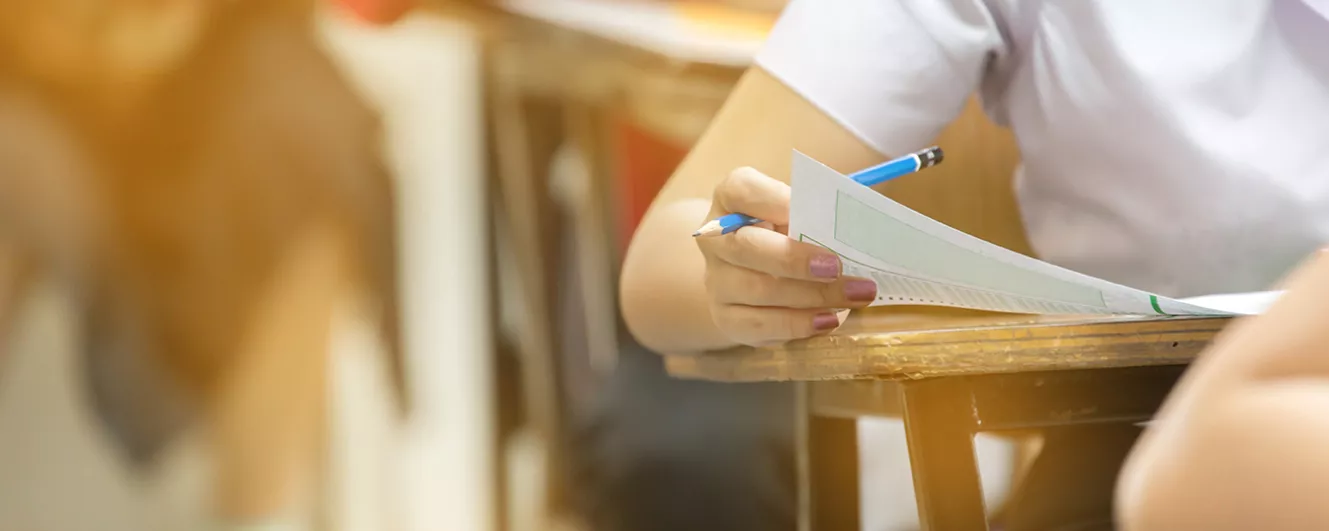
(663, 285)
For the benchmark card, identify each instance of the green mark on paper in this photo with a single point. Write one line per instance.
(1153, 300)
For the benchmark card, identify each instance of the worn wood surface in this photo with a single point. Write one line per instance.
(913, 343)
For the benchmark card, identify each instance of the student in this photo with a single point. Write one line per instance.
(1240, 443)
(1176, 147)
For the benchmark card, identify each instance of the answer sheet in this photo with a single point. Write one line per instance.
(916, 260)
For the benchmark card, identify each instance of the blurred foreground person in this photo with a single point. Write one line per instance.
(209, 188)
(1240, 443)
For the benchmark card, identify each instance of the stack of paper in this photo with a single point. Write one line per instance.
(917, 260)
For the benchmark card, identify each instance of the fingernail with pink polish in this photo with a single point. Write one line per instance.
(825, 321)
(826, 266)
(860, 290)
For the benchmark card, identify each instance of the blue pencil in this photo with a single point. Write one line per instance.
(869, 177)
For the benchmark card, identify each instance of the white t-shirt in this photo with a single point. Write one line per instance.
(1177, 146)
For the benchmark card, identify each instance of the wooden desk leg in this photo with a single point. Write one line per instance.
(939, 425)
(828, 471)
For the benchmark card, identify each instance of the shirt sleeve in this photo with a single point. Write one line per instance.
(893, 72)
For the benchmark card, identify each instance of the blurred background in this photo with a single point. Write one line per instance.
(352, 264)
(191, 189)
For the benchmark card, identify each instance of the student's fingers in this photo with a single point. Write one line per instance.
(751, 192)
(729, 284)
(757, 326)
(773, 253)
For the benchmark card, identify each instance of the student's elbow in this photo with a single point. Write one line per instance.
(638, 290)
(1242, 460)
(1139, 505)
(645, 309)
(1165, 483)
(662, 288)
(636, 305)
(1160, 489)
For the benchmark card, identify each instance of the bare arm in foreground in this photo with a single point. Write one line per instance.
(1241, 443)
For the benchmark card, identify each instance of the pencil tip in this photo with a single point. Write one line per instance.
(711, 227)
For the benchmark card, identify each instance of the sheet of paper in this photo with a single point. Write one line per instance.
(919, 261)
(1253, 303)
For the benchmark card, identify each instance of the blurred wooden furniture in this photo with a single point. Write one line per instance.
(564, 72)
(573, 86)
(950, 376)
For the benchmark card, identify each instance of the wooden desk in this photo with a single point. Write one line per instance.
(950, 375)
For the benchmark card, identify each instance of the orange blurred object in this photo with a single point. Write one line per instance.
(646, 161)
(380, 12)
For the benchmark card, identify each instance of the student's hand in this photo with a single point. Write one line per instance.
(764, 287)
